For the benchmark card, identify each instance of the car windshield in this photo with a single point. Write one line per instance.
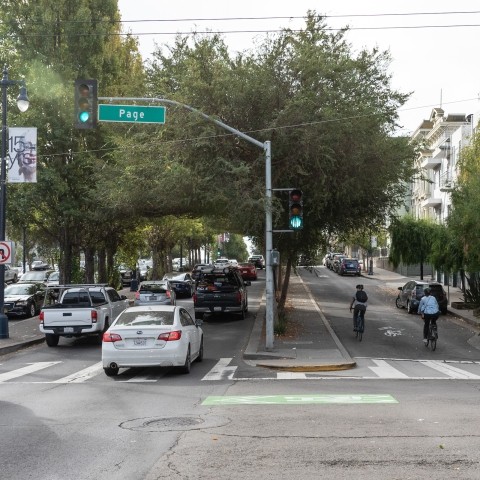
(153, 288)
(145, 318)
(179, 277)
(20, 290)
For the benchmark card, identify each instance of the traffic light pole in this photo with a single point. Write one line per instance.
(266, 147)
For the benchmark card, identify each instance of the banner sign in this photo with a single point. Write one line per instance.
(22, 155)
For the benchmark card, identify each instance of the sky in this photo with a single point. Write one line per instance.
(434, 58)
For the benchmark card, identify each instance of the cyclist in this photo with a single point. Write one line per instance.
(359, 305)
(428, 308)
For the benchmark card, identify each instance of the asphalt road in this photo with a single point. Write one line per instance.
(63, 419)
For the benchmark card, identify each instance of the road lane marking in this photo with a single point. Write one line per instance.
(385, 370)
(291, 376)
(20, 372)
(82, 375)
(221, 371)
(299, 399)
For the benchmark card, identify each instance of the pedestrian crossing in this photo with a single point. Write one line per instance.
(224, 370)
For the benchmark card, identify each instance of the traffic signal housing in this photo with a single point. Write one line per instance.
(86, 104)
(295, 209)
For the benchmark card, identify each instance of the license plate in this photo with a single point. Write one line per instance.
(68, 329)
(153, 297)
(140, 342)
(217, 309)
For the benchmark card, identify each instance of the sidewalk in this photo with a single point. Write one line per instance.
(315, 346)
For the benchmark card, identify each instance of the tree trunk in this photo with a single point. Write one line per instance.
(102, 269)
(286, 281)
(89, 265)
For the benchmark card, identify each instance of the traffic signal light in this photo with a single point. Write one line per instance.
(295, 209)
(85, 103)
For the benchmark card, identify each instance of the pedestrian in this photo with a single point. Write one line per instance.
(359, 305)
(428, 308)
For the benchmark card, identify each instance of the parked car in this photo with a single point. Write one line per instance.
(336, 262)
(152, 336)
(40, 265)
(155, 292)
(247, 271)
(329, 259)
(410, 294)
(23, 299)
(349, 266)
(221, 263)
(183, 284)
(11, 274)
(233, 262)
(36, 276)
(53, 279)
(257, 260)
(126, 274)
(179, 264)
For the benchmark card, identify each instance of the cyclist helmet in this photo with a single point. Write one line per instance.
(360, 287)
(426, 291)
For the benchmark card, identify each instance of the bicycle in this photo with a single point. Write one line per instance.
(432, 336)
(359, 326)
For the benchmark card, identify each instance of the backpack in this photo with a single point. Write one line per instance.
(361, 296)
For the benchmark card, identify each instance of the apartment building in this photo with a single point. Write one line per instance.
(441, 139)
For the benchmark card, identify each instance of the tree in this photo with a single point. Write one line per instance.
(411, 241)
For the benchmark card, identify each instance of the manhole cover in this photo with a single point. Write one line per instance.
(173, 424)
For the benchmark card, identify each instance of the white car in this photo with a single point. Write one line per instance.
(233, 262)
(221, 263)
(152, 336)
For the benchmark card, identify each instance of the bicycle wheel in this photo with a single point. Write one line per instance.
(433, 339)
(361, 327)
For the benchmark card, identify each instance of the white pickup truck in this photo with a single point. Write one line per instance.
(81, 310)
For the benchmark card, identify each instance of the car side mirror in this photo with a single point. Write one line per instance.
(123, 297)
(247, 282)
(400, 288)
(198, 322)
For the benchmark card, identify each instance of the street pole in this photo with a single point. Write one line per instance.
(22, 102)
(266, 147)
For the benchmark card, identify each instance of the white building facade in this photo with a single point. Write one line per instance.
(441, 139)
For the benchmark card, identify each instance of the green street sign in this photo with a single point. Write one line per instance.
(131, 113)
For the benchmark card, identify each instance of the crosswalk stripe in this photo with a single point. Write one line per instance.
(385, 370)
(82, 375)
(449, 370)
(20, 372)
(221, 370)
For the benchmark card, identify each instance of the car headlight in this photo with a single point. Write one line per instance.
(21, 303)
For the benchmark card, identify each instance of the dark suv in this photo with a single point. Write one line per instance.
(349, 266)
(410, 294)
(220, 291)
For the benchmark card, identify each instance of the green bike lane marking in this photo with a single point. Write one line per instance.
(298, 399)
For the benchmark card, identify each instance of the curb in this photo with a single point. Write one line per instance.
(21, 345)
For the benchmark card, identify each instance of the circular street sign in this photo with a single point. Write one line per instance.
(5, 252)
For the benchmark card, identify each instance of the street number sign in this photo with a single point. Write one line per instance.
(131, 113)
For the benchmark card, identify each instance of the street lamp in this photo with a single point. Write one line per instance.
(22, 103)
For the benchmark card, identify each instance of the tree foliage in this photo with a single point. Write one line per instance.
(411, 241)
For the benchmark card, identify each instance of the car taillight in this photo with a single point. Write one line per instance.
(194, 298)
(170, 336)
(239, 297)
(94, 316)
(41, 317)
(168, 294)
(137, 295)
(111, 337)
